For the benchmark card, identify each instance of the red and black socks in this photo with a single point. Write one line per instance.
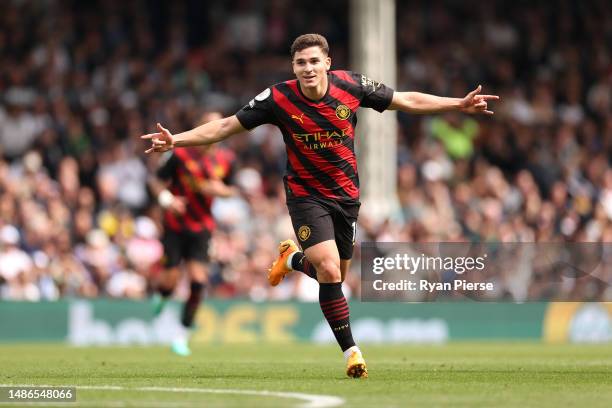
(192, 304)
(336, 311)
(300, 263)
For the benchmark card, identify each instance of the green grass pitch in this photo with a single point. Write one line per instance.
(453, 375)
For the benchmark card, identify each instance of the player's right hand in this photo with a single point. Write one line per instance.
(160, 141)
(179, 205)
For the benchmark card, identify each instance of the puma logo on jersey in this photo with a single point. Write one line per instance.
(300, 118)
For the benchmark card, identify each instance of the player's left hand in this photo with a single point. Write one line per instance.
(160, 141)
(476, 103)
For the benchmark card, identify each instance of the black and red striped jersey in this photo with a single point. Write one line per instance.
(188, 170)
(319, 135)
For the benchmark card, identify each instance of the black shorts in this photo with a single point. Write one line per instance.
(185, 245)
(316, 220)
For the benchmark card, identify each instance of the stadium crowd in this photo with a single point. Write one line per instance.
(80, 81)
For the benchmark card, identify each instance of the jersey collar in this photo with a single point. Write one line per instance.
(318, 100)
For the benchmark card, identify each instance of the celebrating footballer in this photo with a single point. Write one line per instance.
(317, 115)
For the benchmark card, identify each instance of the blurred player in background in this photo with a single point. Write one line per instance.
(317, 116)
(187, 181)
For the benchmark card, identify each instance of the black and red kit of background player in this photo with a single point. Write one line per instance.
(187, 235)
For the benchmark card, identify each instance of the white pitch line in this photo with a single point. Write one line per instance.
(310, 400)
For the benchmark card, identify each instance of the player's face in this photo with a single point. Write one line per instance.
(310, 66)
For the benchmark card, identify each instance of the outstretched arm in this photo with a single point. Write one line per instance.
(416, 102)
(208, 133)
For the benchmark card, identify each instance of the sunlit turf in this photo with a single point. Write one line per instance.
(453, 375)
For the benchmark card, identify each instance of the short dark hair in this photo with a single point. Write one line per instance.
(309, 40)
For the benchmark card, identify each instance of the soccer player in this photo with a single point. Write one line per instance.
(316, 113)
(187, 180)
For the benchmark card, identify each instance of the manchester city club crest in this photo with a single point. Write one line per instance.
(343, 112)
(304, 233)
